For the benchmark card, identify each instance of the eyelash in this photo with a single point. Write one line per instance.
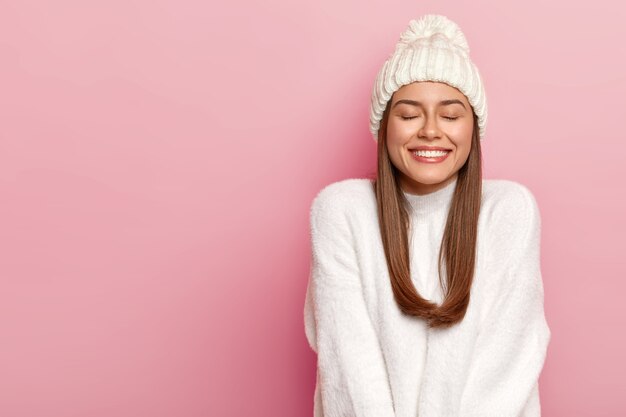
(448, 118)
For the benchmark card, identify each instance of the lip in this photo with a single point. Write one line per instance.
(429, 160)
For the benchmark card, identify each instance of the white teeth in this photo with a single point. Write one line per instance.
(430, 154)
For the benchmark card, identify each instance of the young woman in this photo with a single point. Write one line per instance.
(425, 296)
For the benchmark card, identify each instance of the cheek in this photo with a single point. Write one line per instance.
(397, 133)
(395, 144)
(462, 136)
(462, 129)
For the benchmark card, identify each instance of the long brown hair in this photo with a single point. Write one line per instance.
(458, 245)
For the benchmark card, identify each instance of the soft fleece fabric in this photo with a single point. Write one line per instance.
(375, 361)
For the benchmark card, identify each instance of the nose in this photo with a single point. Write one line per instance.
(430, 129)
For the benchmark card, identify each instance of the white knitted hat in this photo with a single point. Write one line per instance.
(432, 48)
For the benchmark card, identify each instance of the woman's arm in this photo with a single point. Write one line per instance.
(512, 343)
(352, 377)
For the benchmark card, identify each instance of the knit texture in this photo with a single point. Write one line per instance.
(375, 361)
(432, 48)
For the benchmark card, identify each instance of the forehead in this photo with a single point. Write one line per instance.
(426, 91)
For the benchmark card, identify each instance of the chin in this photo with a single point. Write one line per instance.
(430, 179)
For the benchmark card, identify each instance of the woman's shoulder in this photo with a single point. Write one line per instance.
(343, 197)
(509, 206)
(507, 195)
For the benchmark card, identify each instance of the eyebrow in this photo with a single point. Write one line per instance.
(417, 103)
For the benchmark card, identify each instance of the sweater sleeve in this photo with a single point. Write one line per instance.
(512, 341)
(352, 378)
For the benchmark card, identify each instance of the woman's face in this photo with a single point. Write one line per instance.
(426, 115)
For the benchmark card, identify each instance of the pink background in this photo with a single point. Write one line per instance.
(157, 164)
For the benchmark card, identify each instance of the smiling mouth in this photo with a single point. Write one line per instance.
(430, 154)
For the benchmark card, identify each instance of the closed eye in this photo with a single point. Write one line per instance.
(413, 117)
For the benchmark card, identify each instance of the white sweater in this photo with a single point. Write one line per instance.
(375, 361)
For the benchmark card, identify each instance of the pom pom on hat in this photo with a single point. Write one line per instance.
(432, 48)
(436, 29)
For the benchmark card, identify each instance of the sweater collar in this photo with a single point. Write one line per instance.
(432, 202)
